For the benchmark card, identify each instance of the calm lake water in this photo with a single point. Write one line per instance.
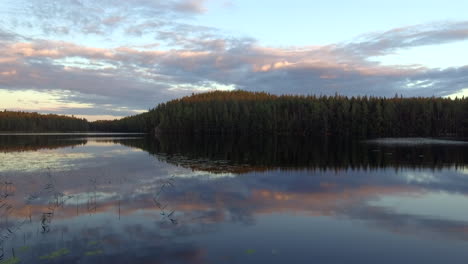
(132, 199)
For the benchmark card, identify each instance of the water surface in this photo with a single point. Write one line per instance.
(134, 199)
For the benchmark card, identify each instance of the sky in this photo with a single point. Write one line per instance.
(104, 59)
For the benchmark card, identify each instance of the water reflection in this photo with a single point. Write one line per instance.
(18, 143)
(245, 154)
(234, 201)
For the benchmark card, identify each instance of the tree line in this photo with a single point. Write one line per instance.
(247, 113)
(13, 121)
(250, 113)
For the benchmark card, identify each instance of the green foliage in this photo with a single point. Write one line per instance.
(23, 249)
(55, 254)
(251, 113)
(136, 123)
(250, 251)
(12, 260)
(33, 122)
(248, 113)
(93, 253)
(93, 243)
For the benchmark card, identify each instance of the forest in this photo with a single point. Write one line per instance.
(251, 113)
(248, 113)
(12, 121)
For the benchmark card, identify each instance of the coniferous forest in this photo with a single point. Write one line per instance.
(245, 113)
(248, 113)
(33, 122)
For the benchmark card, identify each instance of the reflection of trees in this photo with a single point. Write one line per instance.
(201, 205)
(245, 154)
(15, 143)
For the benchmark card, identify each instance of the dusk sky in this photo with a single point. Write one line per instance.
(104, 59)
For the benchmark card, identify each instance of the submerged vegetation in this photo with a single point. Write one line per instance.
(249, 113)
(55, 254)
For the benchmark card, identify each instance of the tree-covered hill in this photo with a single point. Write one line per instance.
(12, 121)
(252, 113)
(248, 113)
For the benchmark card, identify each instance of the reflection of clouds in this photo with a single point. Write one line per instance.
(409, 223)
(204, 175)
(41, 160)
(119, 152)
(415, 141)
(125, 182)
(206, 194)
(326, 195)
(231, 207)
(123, 151)
(95, 143)
(109, 140)
(464, 170)
(132, 240)
(438, 205)
(420, 177)
(83, 198)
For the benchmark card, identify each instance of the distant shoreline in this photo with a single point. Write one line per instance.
(66, 133)
(242, 113)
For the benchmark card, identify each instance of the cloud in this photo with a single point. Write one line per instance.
(53, 18)
(376, 44)
(169, 57)
(190, 6)
(6, 36)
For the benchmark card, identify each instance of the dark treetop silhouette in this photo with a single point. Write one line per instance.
(248, 113)
(245, 113)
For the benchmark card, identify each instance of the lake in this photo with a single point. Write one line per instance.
(130, 198)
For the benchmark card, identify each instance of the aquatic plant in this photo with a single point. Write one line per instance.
(250, 251)
(169, 182)
(23, 249)
(55, 254)
(12, 260)
(92, 243)
(94, 253)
